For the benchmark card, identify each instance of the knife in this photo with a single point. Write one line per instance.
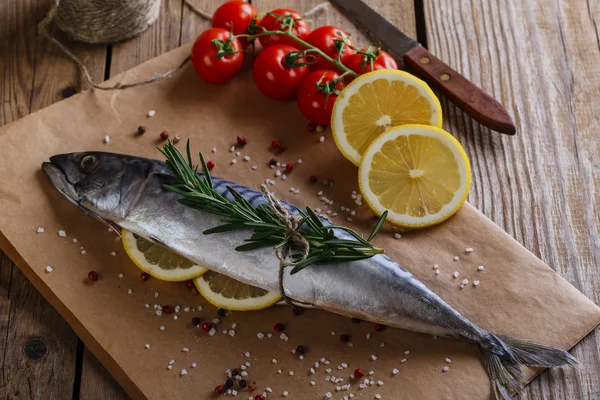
(465, 94)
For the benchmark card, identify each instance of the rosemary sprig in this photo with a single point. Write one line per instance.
(268, 230)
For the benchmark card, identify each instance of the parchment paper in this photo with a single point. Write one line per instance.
(519, 295)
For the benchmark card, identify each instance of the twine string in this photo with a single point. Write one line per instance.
(292, 223)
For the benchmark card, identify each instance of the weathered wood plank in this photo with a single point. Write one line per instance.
(541, 59)
(96, 381)
(38, 347)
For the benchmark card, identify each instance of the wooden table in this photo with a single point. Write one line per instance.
(540, 58)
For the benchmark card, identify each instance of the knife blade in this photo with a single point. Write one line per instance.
(418, 60)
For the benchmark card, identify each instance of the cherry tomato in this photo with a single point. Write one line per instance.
(329, 39)
(274, 75)
(211, 66)
(275, 21)
(236, 15)
(315, 104)
(361, 63)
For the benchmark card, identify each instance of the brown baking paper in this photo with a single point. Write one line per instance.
(519, 295)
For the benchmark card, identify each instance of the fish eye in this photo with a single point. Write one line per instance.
(88, 163)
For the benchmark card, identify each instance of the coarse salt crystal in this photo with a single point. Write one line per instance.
(313, 383)
(212, 332)
(40, 230)
(278, 173)
(274, 361)
(407, 352)
(396, 235)
(462, 286)
(312, 370)
(373, 357)
(214, 149)
(328, 370)
(465, 281)
(328, 395)
(437, 271)
(254, 167)
(244, 373)
(403, 360)
(151, 113)
(169, 366)
(446, 368)
(368, 336)
(48, 268)
(106, 139)
(232, 149)
(120, 275)
(62, 233)
(344, 365)
(448, 360)
(269, 335)
(455, 258)
(371, 373)
(147, 346)
(285, 393)
(435, 266)
(183, 372)
(129, 291)
(158, 312)
(468, 250)
(74, 240)
(199, 308)
(233, 161)
(162, 327)
(322, 139)
(269, 390)
(395, 371)
(194, 365)
(455, 274)
(283, 177)
(323, 359)
(480, 268)
(475, 283)
(231, 333)
(299, 161)
(237, 153)
(291, 373)
(185, 349)
(216, 321)
(379, 383)
(377, 396)
(114, 253)
(301, 357)
(83, 252)
(247, 354)
(147, 305)
(246, 158)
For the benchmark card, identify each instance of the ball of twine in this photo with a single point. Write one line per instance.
(105, 21)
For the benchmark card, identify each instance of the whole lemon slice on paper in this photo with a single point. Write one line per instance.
(420, 174)
(225, 292)
(376, 101)
(157, 261)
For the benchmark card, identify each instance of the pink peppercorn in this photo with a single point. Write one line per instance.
(164, 135)
(289, 167)
(241, 141)
(206, 326)
(93, 275)
(358, 373)
(144, 276)
(210, 165)
(278, 328)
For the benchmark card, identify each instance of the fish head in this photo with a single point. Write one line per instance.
(104, 185)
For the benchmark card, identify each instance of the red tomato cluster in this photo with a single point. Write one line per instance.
(286, 67)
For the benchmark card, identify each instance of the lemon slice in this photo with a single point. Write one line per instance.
(377, 101)
(419, 173)
(157, 261)
(225, 292)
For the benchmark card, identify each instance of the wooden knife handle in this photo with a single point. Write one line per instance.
(474, 101)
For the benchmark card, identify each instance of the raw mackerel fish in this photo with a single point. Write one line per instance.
(126, 192)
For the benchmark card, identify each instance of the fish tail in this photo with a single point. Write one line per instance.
(504, 356)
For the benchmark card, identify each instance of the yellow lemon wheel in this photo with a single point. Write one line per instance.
(225, 292)
(157, 261)
(420, 174)
(377, 101)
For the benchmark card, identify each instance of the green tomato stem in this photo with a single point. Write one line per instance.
(307, 46)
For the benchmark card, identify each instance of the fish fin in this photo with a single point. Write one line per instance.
(504, 356)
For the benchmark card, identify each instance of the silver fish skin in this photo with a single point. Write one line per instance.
(128, 192)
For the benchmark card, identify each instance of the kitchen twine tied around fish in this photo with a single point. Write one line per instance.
(111, 21)
(292, 223)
